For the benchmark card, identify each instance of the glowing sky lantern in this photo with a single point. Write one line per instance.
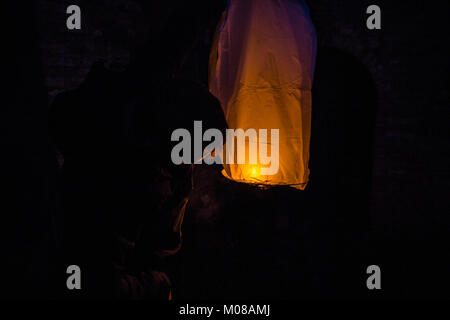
(261, 70)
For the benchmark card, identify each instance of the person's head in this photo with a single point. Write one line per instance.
(173, 105)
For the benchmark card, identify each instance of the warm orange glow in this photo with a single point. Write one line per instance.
(262, 74)
(250, 174)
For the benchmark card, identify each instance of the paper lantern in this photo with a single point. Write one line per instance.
(261, 70)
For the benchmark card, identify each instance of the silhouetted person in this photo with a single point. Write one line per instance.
(123, 197)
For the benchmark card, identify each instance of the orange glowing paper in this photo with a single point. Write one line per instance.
(261, 71)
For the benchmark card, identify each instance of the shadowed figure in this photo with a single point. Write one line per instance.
(123, 198)
(120, 185)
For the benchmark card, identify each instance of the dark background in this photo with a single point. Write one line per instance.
(379, 191)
